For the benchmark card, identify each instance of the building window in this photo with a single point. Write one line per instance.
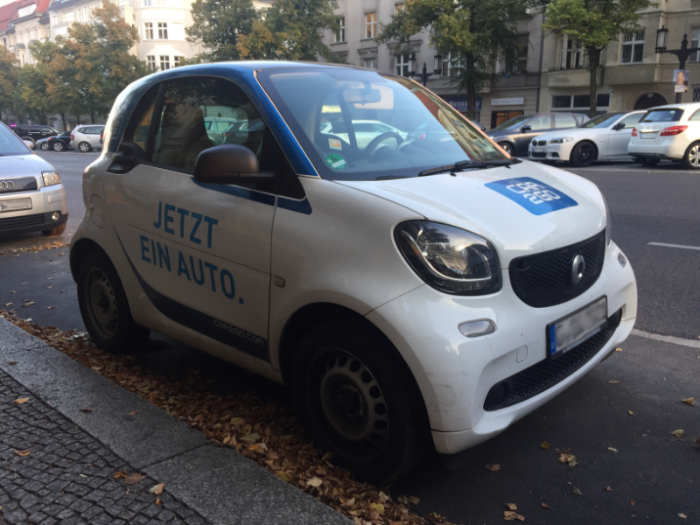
(371, 25)
(151, 62)
(517, 62)
(54, 20)
(370, 63)
(164, 62)
(147, 3)
(695, 42)
(177, 61)
(148, 31)
(571, 55)
(162, 30)
(340, 31)
(633, 48)
(68, 17)
(696, 93)
(398, 8)
(86, 13)
(25, 11)
(580, 103)
(403, 65)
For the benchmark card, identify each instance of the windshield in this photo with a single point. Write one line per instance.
(663, 115)
(512, 123)
(10, 143)
(602, 121)
(361, 125)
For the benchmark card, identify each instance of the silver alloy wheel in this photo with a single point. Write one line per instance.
(351, 399)
(45, 146)
(84, 147)
(694, 156)
(58, 146)
(506, 147)
(101, 302)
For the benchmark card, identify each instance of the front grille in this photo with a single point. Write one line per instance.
(18, 184)
(545, 279)
(11, 223)
(542, 143)
(545, 374)
(539, 154)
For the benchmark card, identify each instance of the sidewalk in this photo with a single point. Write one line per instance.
(68, 475)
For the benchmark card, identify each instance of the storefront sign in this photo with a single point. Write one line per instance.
(462, 103)
(507, 101)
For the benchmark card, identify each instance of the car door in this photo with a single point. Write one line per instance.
(537, 125)
(94, 136)
(200, 251)
(619, 138)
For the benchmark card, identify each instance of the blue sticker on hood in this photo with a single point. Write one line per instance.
(536, 197)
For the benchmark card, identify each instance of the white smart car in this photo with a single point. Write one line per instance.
(669, 132)
(604, 137)
(417, 288)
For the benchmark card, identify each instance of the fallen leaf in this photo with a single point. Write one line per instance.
(613, 382)
(157, 489)
(49, 287)
(133, 413)
(413, 500)
(96, 368)
(690, 401)
(22, 453)
(8, 304)
(21, 400)
(12, 362)
(545, 445)
(158, 502)
(378, 507)
(315, 482)
(493, 467)
(251, 438)
(608, 489)
(237, 421)
(120, 474)
(283, 476)
(678, 433)
(611, 449)
(570, 459)
(632, 503)
(511, 506)
(134, 478)
(545, 506)
(509, 515)
(630, 412)
(327, 456)
(86, 409)
(681, 515)
(578, 491)
(618, 349)
(50, 307)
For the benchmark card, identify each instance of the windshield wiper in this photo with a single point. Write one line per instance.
(468, 164)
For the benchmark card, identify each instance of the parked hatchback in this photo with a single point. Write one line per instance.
(34, 133)
(86, 138)
(669, 132)
(32, 197)
(515, 135)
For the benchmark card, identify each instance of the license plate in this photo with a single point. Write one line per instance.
(15, 205)
(574, 329)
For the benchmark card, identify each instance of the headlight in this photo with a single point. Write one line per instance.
(451, 260)
(561, 141)
(50, 178)
(608, 222)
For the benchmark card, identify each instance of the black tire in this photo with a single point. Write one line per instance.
(104, 307)
(338, 372)
(649, 162)
(84, 147)
(54, 232)
(58, 145)
(507, 147)
(583, 154)
(691, 159)
(45, 146)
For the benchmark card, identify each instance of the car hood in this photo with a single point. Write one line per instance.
(13, 166)
(491, 204)
(503, 133)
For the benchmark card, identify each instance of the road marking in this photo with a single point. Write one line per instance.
(681, 246)
(667, 339)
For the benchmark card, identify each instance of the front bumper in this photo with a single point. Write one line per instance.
(551, 152)
(44, 203)
(455, 374)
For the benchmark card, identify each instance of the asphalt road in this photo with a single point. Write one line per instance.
(652, 475)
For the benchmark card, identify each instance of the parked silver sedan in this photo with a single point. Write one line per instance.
(32, 197)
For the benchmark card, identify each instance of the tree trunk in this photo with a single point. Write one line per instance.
(63, 118)
(92, 117)
(594, 58)
(471, 88)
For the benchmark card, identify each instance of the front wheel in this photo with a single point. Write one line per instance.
(45, 146)
(583, 155)
(691, 159)
(507, 147)
(358, 400)
(104, 307)
(58, 145)
(84, 147)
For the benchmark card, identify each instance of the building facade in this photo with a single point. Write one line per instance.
(21, 23)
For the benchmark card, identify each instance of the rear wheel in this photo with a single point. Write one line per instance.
(84, 147)
(54, 232)
(58, 145)
(45, 146)
(359, 401)
(649, 162)
(583, 154)
(104, 307)
(691, 159)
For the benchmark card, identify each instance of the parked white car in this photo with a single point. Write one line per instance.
(603, 138)
(669, 132)
(86, 138)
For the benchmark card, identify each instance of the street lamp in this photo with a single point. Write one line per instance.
(437, 69)
(683, 53)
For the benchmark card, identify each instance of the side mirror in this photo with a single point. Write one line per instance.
(229, 164)
(525, 129)
(29, 144)
(127, 157)
(619, 126)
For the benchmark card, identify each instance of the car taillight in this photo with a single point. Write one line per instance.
(673, 130)
(634, 132)
(72, 137)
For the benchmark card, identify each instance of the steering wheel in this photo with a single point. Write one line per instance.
(376, 141)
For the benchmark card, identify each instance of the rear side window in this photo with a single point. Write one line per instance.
(663, 115)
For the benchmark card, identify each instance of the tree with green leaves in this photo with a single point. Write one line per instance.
(595, 24)
(8, 79)
(291, 30)
(218, 25)
(475, 34)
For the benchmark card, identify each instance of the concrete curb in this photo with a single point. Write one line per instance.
(220, 484)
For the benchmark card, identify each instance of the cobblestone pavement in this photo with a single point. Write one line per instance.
(67, 478)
